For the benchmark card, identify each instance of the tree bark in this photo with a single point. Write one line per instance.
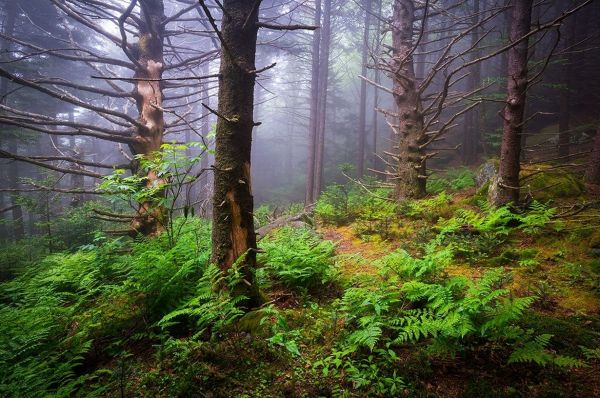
(362, 115)
(375, 159)
(150, 220)
(411, 171)
(13, 169)
(505, 187)
(233, 235)
(322, 105)
(472, 135)
(592, 175)
(564, 119)
(309, 197)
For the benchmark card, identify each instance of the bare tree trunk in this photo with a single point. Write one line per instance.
(309, 197)
(592, 175)
(323, 84)
(149, 97)
(362, 115)
(564, 120)
(472, 135)
(233, 235)
(375, 162)
(410, 179)
(505, 188)
(13, 169)
(205, 131)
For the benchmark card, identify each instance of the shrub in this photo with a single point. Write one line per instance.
(298, 258)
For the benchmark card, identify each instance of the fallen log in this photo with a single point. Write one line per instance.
(296, 221)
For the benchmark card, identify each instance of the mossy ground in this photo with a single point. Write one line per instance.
(558, 267)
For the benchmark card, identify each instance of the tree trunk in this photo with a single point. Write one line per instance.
(233, 235)
(592, 175)
(505, 188)
(362, 115)
(309, 197)
(12, 169)
(375, 162)
(564, 119)
(323, 84)
(472, 135)
(150, 219)
(410, 179)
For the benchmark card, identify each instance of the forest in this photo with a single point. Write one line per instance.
(300, 198)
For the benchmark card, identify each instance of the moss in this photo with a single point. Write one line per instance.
(595, 240)
(545, 183)
(507, 257)
(579, 301)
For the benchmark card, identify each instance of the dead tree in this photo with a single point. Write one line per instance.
(149, 50)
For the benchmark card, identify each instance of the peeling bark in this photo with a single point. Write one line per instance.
(149, 98)
(233, 235)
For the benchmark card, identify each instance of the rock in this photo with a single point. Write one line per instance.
(543, 183)
(485, 173)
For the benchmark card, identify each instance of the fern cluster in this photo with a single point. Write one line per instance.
(67, 307)
(297, 257)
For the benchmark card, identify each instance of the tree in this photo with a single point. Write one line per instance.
(411, 169)
(505, 188)
(322, 96)
(362, 112)
(592, 175)
(102, 103)
(309, 197)
(472, 133)
(233, 234)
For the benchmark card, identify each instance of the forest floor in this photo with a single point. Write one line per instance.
(567, 293)
(558, 266)
(439, 297)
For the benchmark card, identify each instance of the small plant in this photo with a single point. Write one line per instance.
(298, 258)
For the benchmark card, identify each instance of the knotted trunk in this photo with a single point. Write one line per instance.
(411, 172)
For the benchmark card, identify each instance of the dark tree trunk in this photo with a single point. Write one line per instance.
(362, 115)
(592, 175)
(233, 235)
(150, 220)
(410, 179)
(13, 168)
(309, 197)
(564, 119)
(472, 135)
(505, 188)
(322, 105)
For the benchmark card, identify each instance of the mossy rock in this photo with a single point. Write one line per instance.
(546, 183)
